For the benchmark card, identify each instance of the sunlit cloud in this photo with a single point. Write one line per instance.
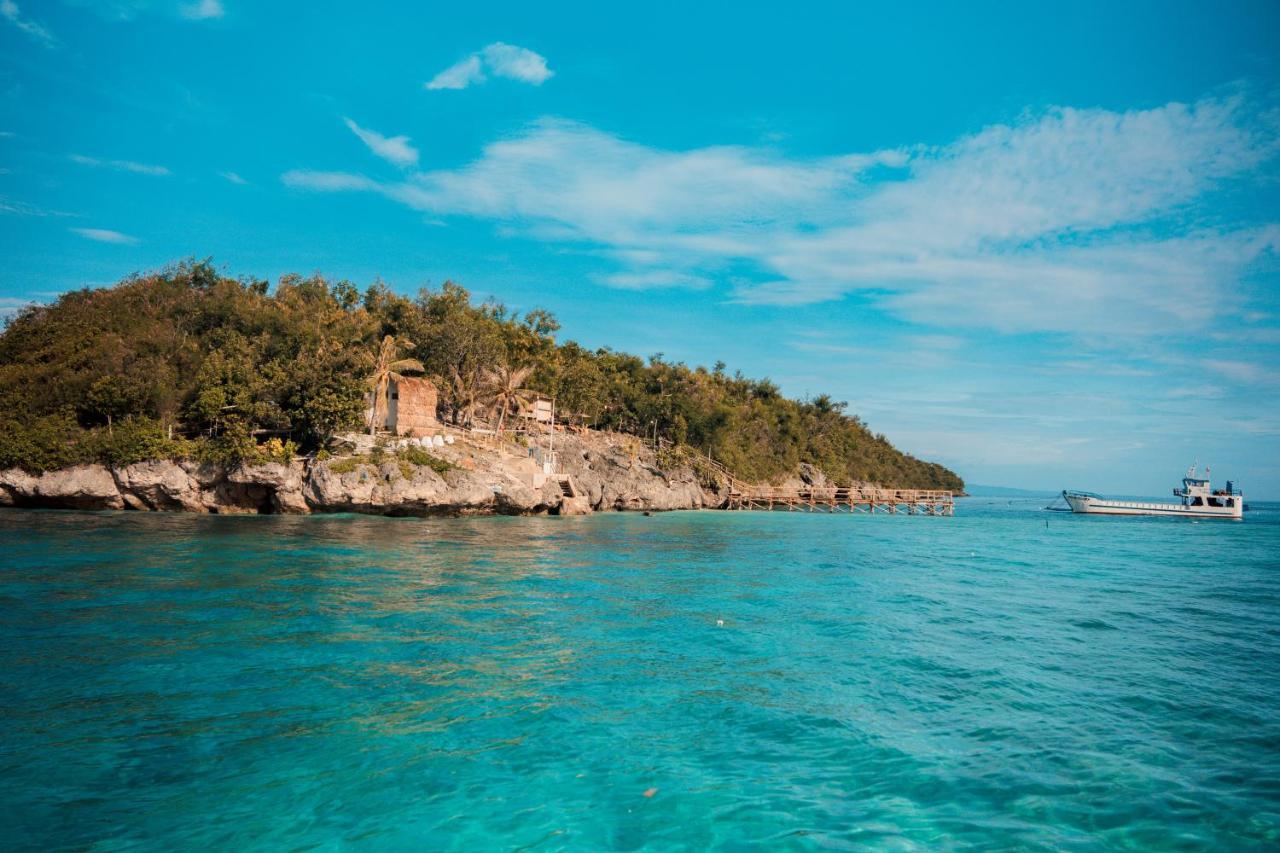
(11, 305)
(20, 208)
(651, 279)
(121, 165)
(327, 181)
(203, 10)
(1073, 221)
(104, 235)
(497, 59)
(10, 12)
(393, 149)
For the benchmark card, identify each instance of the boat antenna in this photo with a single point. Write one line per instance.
(1191, 472)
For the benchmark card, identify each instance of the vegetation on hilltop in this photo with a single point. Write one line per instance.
(189, 363)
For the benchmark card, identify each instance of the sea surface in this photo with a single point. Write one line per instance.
(1007, 678)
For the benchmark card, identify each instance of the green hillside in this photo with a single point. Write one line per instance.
(190, 363)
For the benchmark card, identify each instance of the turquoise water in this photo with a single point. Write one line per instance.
(1004, 678)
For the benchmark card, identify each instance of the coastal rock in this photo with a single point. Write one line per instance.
(359, 490)
(600, 471)
(386, 490)
(269, 486)
(619, 474)
(159, 485)
(17, 487)
(429, 493)
(81, 487)
(519, 499)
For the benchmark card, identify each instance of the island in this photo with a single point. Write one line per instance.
(189, 390)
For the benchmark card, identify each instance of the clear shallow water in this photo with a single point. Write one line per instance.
(1004, 678)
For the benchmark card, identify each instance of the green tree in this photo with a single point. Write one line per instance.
(505, 390)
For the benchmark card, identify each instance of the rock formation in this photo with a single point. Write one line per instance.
(596, 471)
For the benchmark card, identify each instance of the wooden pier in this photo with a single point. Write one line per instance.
(868, 501)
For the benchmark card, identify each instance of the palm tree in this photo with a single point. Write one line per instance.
(386, 368)
(465, 393)
(504, 390)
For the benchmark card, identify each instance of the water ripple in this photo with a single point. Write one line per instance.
(692, 680)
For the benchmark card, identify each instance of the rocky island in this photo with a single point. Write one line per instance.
(186, 390)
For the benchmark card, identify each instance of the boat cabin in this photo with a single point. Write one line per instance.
(1197, 492)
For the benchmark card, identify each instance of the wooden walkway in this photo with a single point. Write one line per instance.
(845, 499)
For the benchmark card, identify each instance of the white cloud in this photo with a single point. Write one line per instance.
(1076, 221)
(516, 63)
(1244, 372)
(393, 149)
(650, 279)
(121, 165)
(460, 75)
(9, 11)
(327, 181)
(11, 305)
(233, 178)
(103, 235)
(20, 208)
(500, 60)
(203, 10)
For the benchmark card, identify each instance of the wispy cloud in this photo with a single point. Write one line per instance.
(1244, 372)
(203, 10)
(516, 63)
(650, 279)
(327, 181)
(11, 305)
(1075, 221)
(104, 235)
(121, 165)
(10, 12)
(500, 60)
(460, 75)
(393, 149)
(20, 208)
(233, 178)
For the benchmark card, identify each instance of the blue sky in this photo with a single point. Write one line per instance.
(1038, 245)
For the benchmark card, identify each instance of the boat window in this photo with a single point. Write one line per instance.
(1197, 501)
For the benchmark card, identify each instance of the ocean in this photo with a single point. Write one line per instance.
(1006, 678)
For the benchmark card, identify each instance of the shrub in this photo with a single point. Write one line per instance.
(136, 439)
(347, 465)
(232, 446)
(276, 450)
(418, 456)
(42, 444)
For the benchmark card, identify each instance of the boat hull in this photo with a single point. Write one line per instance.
(1088, 505)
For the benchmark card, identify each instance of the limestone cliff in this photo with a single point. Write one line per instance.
(596, 471)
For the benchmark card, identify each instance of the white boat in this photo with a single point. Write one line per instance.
(1199, 500)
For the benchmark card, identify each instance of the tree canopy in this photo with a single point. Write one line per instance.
(190, 361)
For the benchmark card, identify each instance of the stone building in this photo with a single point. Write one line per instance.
(411, 407)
